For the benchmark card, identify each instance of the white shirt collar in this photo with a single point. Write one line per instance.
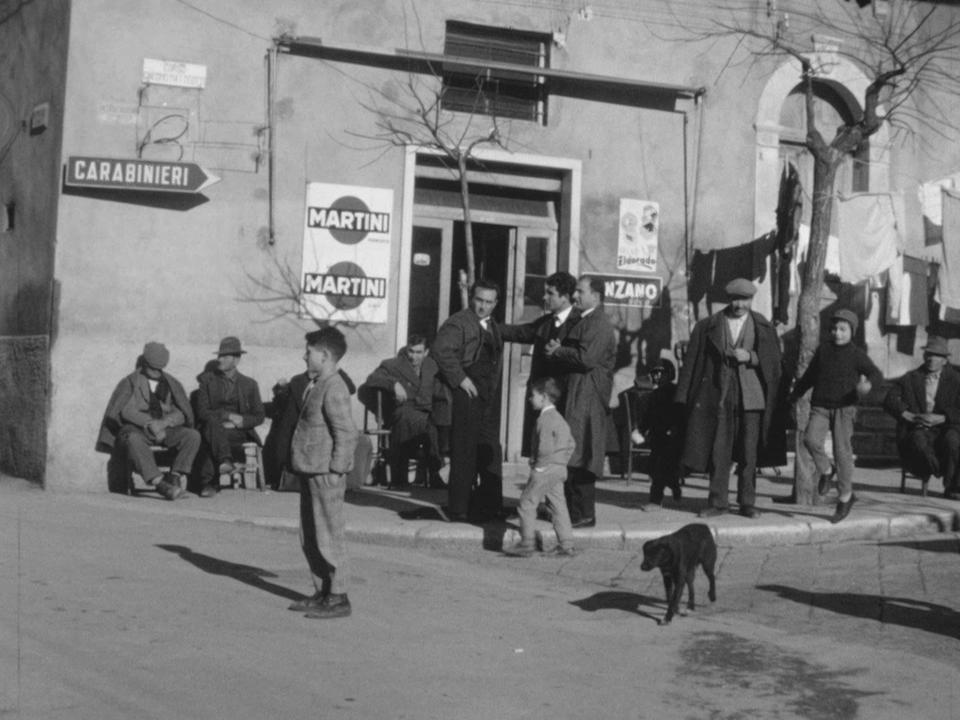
(559, 318)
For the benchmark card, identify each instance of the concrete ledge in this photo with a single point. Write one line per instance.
(762, 534)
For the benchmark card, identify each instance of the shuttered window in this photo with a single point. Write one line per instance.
(498, 93)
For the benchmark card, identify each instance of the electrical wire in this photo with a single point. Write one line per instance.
(221, 20)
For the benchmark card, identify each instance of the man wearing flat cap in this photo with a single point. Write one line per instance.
(728, 386)
(149, 407)
(228, 409)
(926, 404)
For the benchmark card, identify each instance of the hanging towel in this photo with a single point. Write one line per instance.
(948, 279)
(907, 293)
(869, 228)
(831, 263)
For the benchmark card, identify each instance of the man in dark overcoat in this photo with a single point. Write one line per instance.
(468, 350)
(926, 404)
(587, 356)
(729, 384)
(229, 409)
(555, 324)
(418, 404)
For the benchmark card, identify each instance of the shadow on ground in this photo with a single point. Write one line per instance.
(247, 574)
(907, 612)
(618, 600)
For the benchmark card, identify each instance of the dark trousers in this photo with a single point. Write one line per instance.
(475, 452)
(580, 491)
(220, 445)
(737, 438)
(132, 441)
(933, 451)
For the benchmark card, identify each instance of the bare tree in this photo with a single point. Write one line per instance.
(412, 115)
(908, 50)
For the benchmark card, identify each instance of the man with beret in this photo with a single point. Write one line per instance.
(229, 409)
(728, 386)
(149, 407)
(926, 404)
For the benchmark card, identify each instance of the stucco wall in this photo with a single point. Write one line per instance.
(33, 41)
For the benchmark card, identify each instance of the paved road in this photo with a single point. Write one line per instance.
(107, 614)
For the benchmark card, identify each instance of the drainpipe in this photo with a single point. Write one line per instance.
(271, 60)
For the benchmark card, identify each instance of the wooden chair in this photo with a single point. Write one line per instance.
(375, 427)
(904, 474)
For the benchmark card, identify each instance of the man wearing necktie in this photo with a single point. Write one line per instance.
(926, 404)
(553, 326)
(468, 351)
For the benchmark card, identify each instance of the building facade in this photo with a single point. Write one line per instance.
(180, 172)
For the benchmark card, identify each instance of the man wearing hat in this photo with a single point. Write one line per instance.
(149, 407)
(728, 386)
(228, 409)
(926, 404)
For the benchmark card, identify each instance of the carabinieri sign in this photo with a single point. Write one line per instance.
(153, 175)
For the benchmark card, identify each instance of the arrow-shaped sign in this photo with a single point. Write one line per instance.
(152, 175)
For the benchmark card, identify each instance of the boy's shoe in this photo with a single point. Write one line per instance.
(824, 483)
(308, 604)
(332, 606)
(520, 550)
(843, 509)
(561, 551)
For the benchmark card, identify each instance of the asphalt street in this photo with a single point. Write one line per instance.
(114, 612)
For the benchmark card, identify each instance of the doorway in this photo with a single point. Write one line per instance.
(517, 253)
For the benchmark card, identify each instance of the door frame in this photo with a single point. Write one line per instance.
(568, 242)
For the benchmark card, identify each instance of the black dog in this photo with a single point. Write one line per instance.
(677, 556)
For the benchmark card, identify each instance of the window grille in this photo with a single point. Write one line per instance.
(498, 93)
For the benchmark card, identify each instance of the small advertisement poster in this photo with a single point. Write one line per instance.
(638, 232)
(346, 253)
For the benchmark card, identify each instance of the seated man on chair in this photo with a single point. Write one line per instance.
(228, 409)
(150, 408)
(418, 397)
(926, 404)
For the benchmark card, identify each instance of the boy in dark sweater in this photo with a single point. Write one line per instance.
(840, 374)
(550, 451)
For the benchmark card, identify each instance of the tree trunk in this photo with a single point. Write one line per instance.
(467, 231)
(808, 313)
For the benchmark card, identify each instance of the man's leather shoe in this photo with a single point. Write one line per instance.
(332, 606)
(749, 511)
(709, 512)
(448, 516)
(585, 523)
(823, 485)
(308, 604)
(208, 491)
(843, 509)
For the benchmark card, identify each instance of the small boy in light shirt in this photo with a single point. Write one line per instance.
(551, 449)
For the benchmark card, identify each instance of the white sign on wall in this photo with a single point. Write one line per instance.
(639, 230)
(179, 74)
(346, 252)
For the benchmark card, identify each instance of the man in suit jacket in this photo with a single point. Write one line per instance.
(229, 409)
(418, 405)
(556, 324)
(926, 404)
(729, 384)
(468, 350)
(149, 407)
(587, 357)
(321, 453)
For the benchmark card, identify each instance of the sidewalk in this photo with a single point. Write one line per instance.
(374, 514)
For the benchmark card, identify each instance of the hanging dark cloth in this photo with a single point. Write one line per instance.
(789, 207)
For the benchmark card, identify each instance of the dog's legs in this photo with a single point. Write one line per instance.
(690, 601)
(708, 571)
(668, 586)
(673, 598)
